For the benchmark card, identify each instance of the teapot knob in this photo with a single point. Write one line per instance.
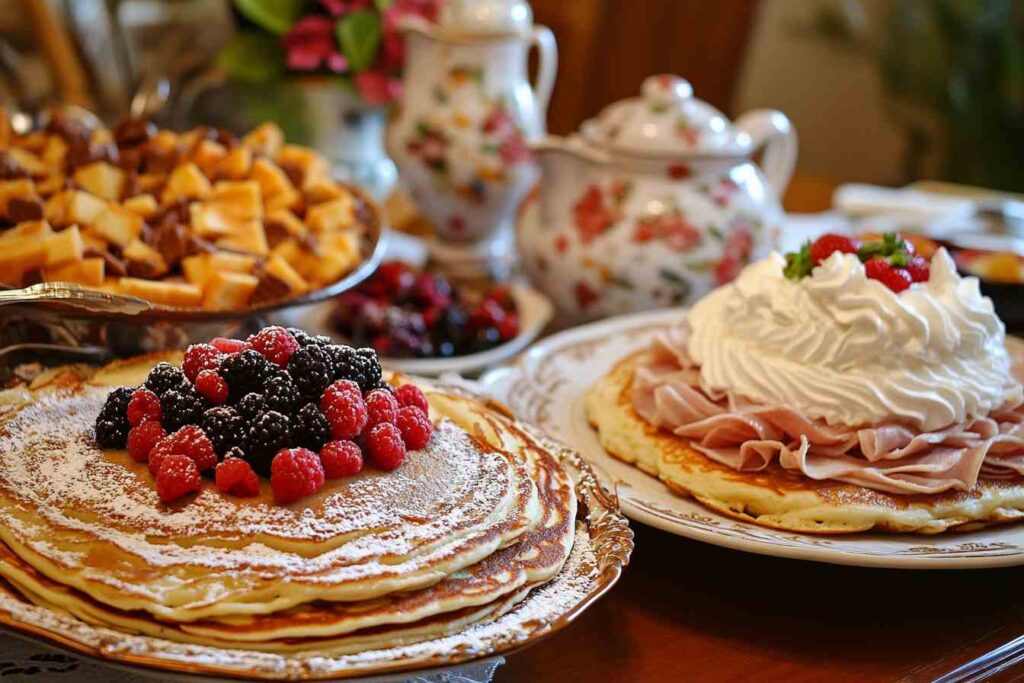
(666, 87)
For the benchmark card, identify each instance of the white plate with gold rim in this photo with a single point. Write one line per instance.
(548, 387)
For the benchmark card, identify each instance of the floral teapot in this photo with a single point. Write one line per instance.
(653, 203)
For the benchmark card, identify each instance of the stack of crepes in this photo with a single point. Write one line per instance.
(829, 403)
(459, 534)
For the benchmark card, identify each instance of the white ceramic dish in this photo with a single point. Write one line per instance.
(548, 385)
(534, 311)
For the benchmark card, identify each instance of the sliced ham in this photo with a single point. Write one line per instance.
(895, 458)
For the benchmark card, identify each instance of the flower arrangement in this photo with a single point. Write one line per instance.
(357, 40)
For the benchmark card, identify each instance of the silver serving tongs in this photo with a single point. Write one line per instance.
(75, 296)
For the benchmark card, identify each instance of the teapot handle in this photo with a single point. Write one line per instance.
(544, 40)
(773, 130)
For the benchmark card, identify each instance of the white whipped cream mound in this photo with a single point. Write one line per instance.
(846, 349)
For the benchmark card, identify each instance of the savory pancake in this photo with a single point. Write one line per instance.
(91, 519)
(775, 497)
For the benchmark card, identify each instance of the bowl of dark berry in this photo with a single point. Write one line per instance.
(420, 322)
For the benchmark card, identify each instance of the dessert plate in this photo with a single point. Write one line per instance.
(548, 387)
(534, 310)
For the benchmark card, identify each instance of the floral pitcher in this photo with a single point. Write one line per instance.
(465, 118)
(653, 203)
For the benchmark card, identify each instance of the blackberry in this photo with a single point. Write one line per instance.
(281, 394)
(310, 368)
(251, 405)
(306, 339)
(165, 377)
(112, 422)
(339, 355)
(224, 427)
(362, 367)
(245, 372)
(310, 428)
(181, 407)
(269, 434)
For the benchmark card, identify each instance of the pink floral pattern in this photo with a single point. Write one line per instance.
(735, 255)
(671, 228)
(596, 211)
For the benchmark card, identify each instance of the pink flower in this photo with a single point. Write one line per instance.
(672, 229)
(735, 255)
(591, 215)
(336, 8)
(376, 87)
(309, 45)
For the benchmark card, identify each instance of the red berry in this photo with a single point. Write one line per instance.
(228, 346)
(199, 357)
(178, 476)
(509, 327)
(345, 411)
(488, 314)
(394, 278)
(142, 438)
(410, 395)
(235, 477)
(161, 449)
(342, 386)
(895, 279)
(341, 459)
(415, 427)
(918, 268)
(192, 441)
(828, 244)
(212, 386)
(385, 446)
(143, 405)
(274, 343)
(381, 407)
(295, 473)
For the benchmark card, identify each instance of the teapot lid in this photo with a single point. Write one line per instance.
(485, 17)
(665, 120)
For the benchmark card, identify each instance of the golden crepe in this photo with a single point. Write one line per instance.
(779, 498)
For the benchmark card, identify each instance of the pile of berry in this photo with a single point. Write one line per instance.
(405, 313)
(281, 404)
(891, 260)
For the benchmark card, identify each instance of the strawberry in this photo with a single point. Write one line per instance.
(896, 279)
(828, 244)
(919, 269)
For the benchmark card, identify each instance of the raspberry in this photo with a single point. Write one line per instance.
(181, 407)
(192, 441)
(177, 476)
(410, 395)
(346, 413)
(199, 357)
(143, 405)
(235, 477)
(895, 279)
(310, 428)
(225, 428)
(828, 244)
(228, 346)
(245, 373)
(295, 473)
(918, 268)
(275, 344)
(212, 386)
(161, 449)
(142, 438)
(381, 406)
(310, 368)
(385, 446)
(341, 459)
(342, 386)
(163, 378)
(251, 406)
(415, 427)
(112, 423)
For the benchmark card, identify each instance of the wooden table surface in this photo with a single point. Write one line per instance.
(685, 610)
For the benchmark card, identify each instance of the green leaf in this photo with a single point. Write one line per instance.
(359, 37)
(798, 263)
(276, 16)
(382, 5)
(253, 57)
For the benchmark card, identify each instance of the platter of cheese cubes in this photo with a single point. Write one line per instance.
(199, 224)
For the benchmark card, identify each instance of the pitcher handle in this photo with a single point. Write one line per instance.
(547, 48)
(773, 130)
